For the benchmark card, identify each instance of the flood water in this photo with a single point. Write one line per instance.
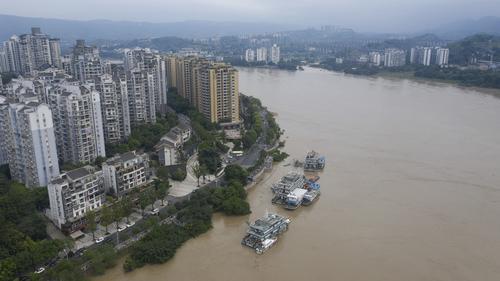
(411, 190)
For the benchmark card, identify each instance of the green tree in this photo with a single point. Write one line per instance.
(127, 207)
(161, 189)
(144, 200)
(106, 217)
(90, 218)
(99, 160)
(249, 138)
(65, 270)
(117, 214)
(197, 172)
(100, 259)
(179, 174)
(237, 173)
(209, 156)
(204, 172)
(162, 173)
(8, 269)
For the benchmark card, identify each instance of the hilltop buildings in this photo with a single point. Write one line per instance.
(263, 54)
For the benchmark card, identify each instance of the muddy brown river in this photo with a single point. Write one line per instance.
(411, 190)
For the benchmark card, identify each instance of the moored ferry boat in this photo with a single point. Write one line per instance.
(264, 232)
(314, 161)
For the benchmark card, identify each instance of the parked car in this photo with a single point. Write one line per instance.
(99, 240)
(121, 228)
(40, 270)
(130, 224)
(154, 212)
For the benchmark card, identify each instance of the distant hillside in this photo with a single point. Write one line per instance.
(461, 29)
(479, 46)
(405, 44)
(126, 30)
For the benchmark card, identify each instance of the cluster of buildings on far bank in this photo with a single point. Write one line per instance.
(393, 57)
(65, 109)
(263, 54)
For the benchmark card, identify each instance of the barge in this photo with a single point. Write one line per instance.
(314, 161)
(286, 185)
(263, 233)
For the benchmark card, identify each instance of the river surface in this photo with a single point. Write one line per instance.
(411, 190)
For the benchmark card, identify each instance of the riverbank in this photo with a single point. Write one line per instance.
(410, 75)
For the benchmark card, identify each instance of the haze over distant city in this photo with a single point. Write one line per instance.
(361, 15)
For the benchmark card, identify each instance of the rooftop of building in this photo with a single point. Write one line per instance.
(79, 173)
(121, 158)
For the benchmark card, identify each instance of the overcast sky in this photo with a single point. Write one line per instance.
(362, 15)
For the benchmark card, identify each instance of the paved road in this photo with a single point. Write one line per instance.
(252, 155)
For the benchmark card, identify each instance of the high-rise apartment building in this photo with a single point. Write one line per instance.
(171, 69)
(186, 79)
(442, 55)
(249, 55)
(12, 53)
(154, 65)
(86, 62)
(394, 58)
(218, 92)
(73, 194)
(421, 55)
(141, 96)
(4, 62)
(28, 53)
(261, 54)
(27, 136)
(55, 52)
(114, 107)
(375, 58)
(275, 54)
(3, 150)
(78, 121)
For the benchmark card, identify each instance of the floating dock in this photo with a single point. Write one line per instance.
(286, 185)
(314, 161)
(264, 232)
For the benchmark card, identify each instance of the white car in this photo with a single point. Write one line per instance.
(121, 228)
(40, 270)
(130, 224)
(154, 212)
(99, 240)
